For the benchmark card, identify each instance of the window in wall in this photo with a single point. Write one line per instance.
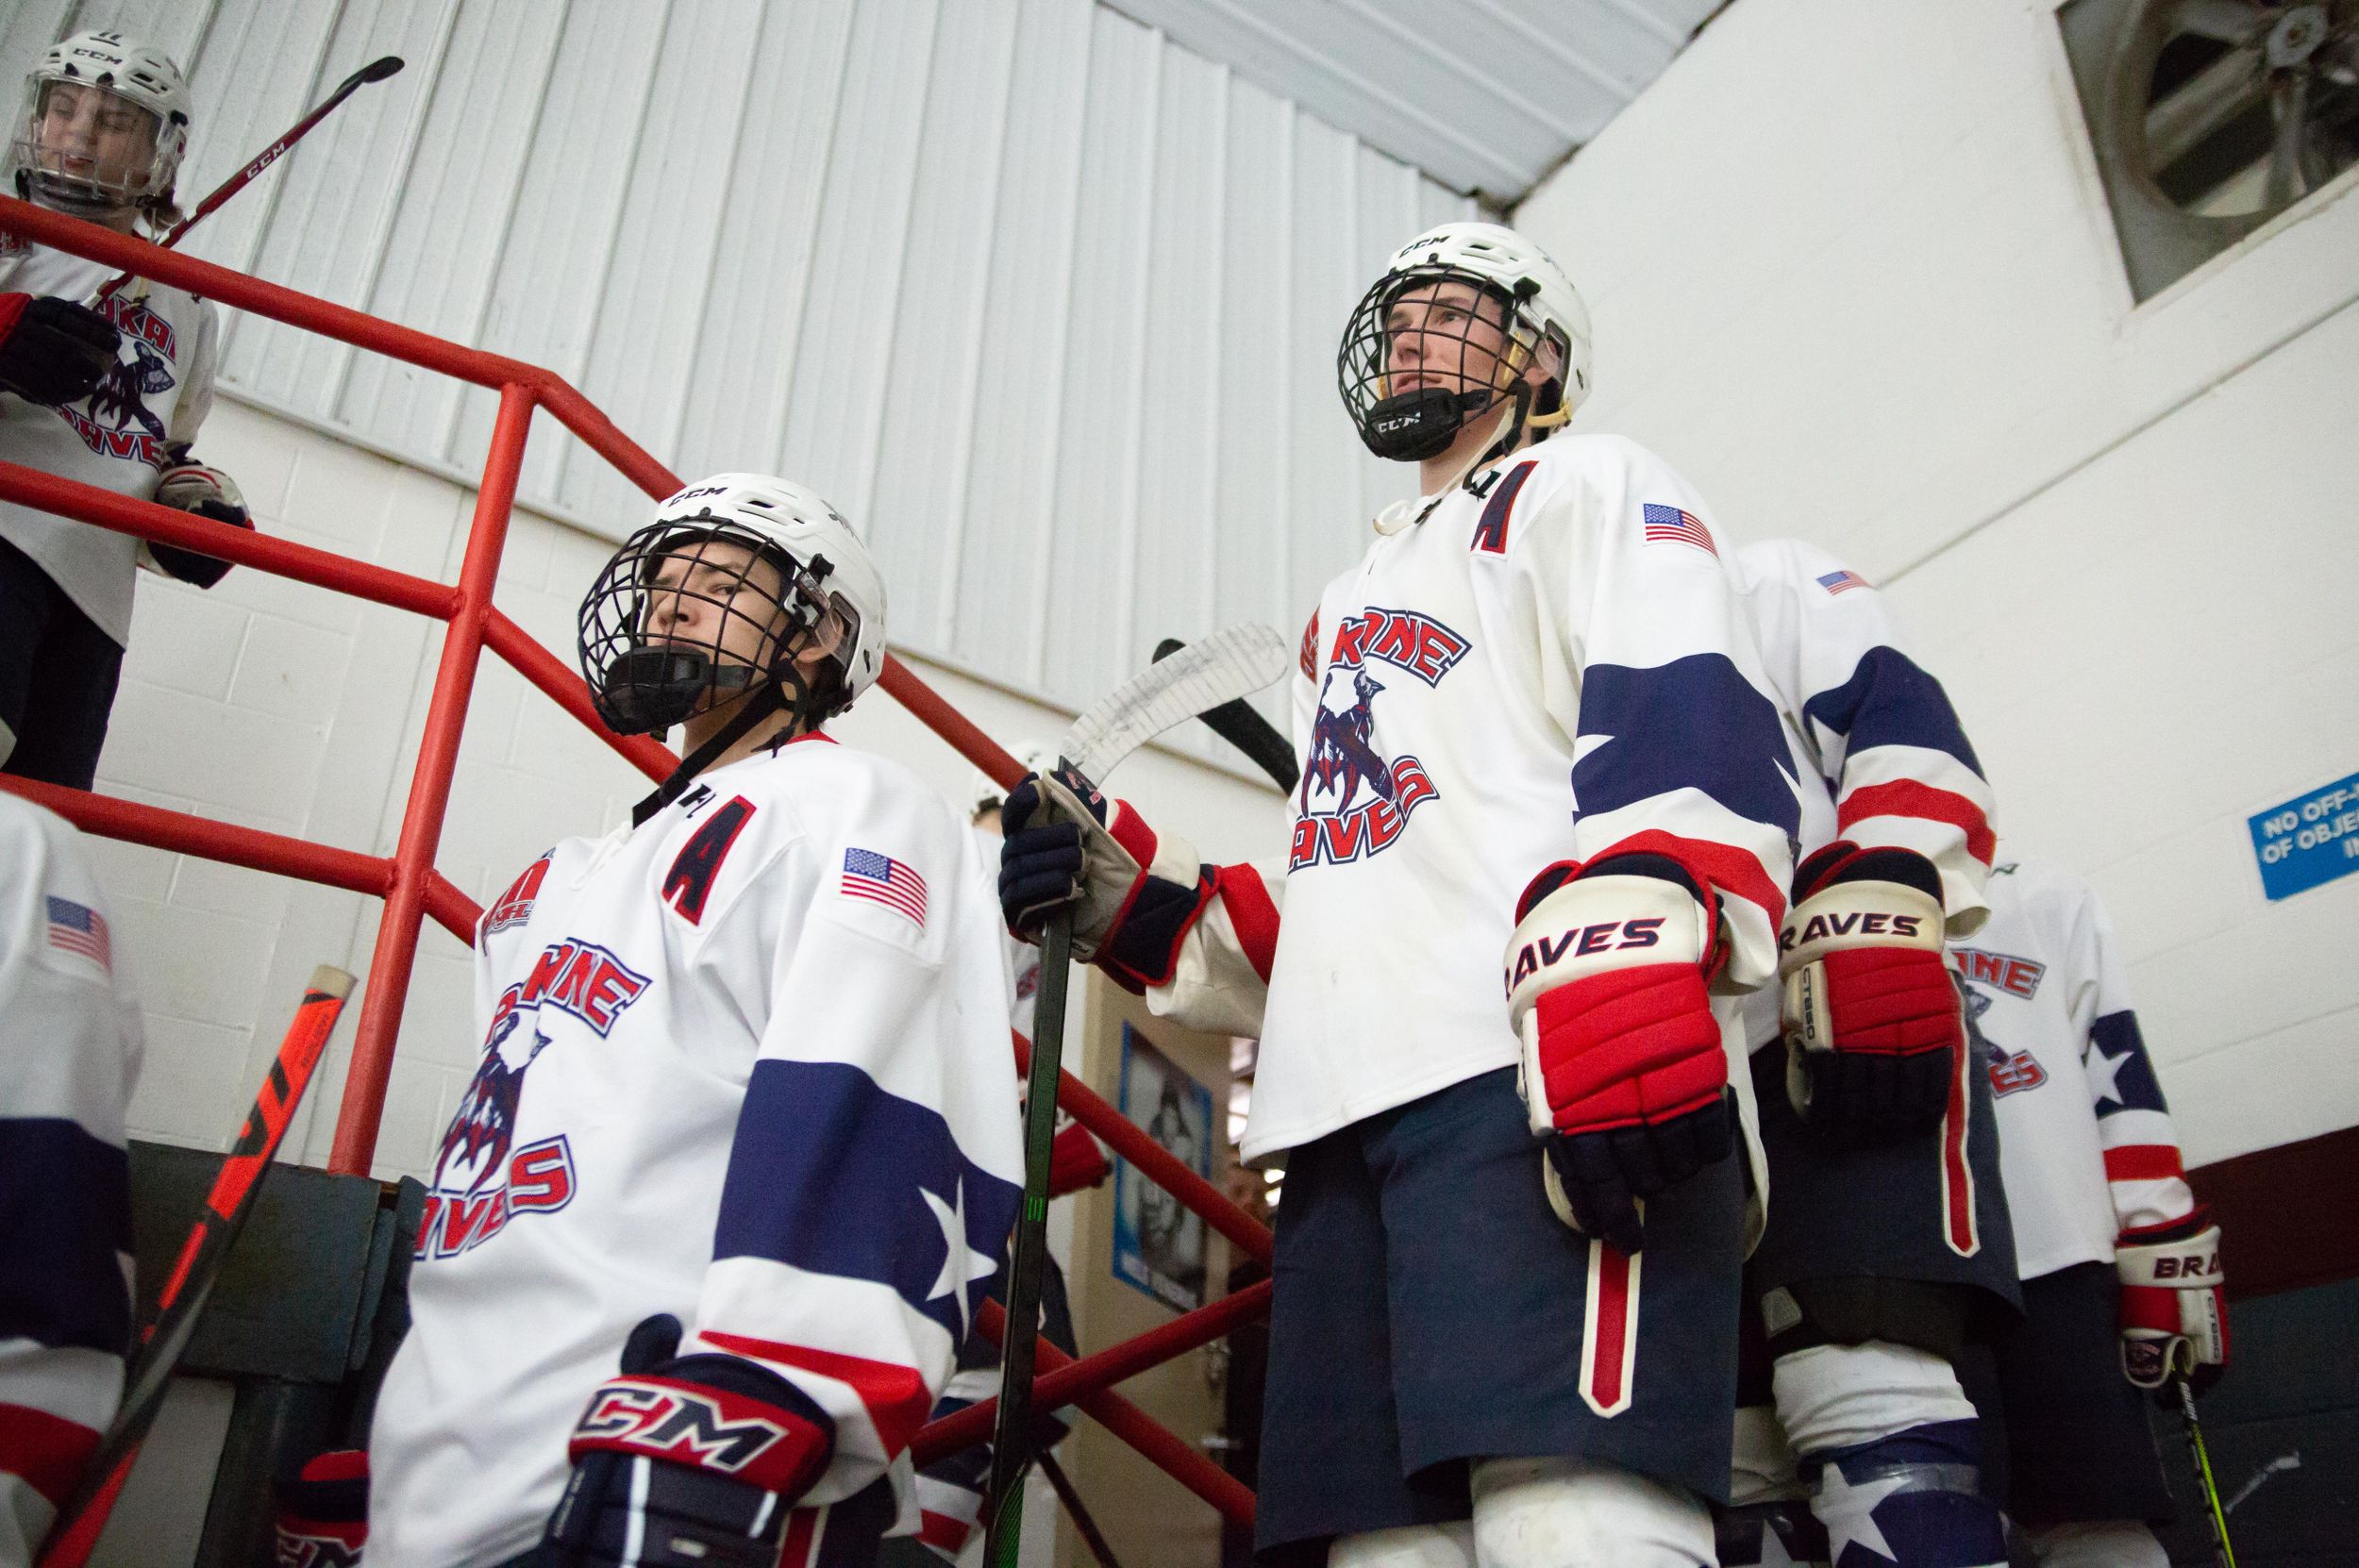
(2211, 117)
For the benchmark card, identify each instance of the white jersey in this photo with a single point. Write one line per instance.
(1556, 665)
(2085, 1143)
(746, 1064)
(121, 437)
(1023, 958)
(69, 1052)
(1878, 754)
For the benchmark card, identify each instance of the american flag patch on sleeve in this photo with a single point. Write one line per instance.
(1671, 525)
(79, 929)
(890, 882)
(1836, 582)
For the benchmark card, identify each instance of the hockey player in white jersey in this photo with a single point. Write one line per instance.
(708, 1226)
(110, 393)
(2122, 1283)
(69, 1052)
(1888, 1248)
(1542, 766)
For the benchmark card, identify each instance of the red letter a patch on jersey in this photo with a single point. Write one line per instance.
(690, 881)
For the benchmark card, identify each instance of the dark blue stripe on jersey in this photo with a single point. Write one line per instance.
(1694, 723)
(1890, 701)
(2135, 1084)
(829, 1174)
(65, 1212)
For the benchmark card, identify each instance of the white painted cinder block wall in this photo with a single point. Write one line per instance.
(1852, 273)
(278, 705)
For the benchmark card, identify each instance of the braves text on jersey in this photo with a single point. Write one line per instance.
(2085, 1143)
(1539, 671)
(746, 1064)
(1879, 756)
(119, 437)
(69, 1052)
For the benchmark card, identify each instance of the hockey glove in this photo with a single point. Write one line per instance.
(2174, 1305)
(1067, 844)
(201, 492)
(1873, 1021)
(53, 350)
(686, 1461)
(1623, 1071)
(1075, 1159)
(323, 1514)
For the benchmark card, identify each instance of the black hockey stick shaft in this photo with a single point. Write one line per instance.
(1083, 1521)
(181, 1301)
(375, 70)
(2222, 1553)
(1242, 726)
(1011, 1440)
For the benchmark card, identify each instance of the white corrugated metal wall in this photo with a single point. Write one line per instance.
(1043, 302)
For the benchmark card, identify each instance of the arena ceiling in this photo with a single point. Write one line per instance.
(1484, 96)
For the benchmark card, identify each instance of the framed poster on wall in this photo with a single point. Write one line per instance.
(1159, 1242)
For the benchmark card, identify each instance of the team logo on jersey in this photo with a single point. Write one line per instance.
(2000, 971)
(481, 1178)
(514, 907)
(2010, 1071)
(1356, 802)
(114, 421)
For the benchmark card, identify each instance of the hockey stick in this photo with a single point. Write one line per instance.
(1241, 725)
(181, 1302)
(2224, 1553)
(1222, 668)
(375, 70)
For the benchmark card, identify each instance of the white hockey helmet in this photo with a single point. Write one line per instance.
(985, 793)
(132, 73)
(1542, 307)
(642, 686)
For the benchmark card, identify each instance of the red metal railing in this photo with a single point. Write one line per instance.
(414, 891)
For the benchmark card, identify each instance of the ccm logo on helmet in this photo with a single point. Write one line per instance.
(700, 490)
(1877, 924)
(1605, 937)
(676, 1419)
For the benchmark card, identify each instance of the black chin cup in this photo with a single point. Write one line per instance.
(1418, 424)
(647, 690)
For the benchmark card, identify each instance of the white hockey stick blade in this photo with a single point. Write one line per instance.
(1223, 667)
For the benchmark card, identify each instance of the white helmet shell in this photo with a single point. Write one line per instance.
(1546, 303)
(134, 70)
(812, 532)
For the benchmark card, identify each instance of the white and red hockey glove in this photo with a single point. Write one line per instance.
(686, 1461)
(323, 1519)
(2174, 1303)
(54, 350)
(1623, 1069)
(1066, 843)
(201, 492)
(1076, 1160)
(1874, 1025)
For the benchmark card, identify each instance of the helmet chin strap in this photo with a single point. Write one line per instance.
(1402, 515)
(772, 697)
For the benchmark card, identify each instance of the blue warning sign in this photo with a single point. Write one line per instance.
(2310, 840)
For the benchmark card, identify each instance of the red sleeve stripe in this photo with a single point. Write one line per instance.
(2143, 1162)
(895, 1396)
(1130, 831)
(48, 1451)
(942, 1531)
(1734, 871)
(1908, 798)
(1251, 912)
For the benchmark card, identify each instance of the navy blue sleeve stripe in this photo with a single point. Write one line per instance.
(1888, 702)
(831, 1175)
(1696, 724)
(2135, 1088)
(65, 1213)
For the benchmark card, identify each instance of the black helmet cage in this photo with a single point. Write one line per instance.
(644, 680)
(1413, 425)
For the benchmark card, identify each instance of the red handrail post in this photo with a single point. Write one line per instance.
(406, 899)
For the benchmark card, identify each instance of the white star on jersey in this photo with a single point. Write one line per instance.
(2104, 1076)
(1849, 1512)
(952, 1218)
